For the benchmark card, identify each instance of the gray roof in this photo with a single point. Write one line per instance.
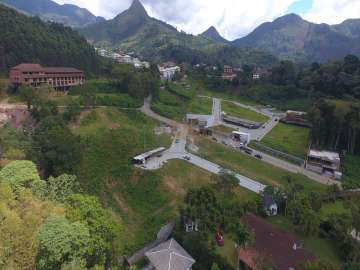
(170, 256)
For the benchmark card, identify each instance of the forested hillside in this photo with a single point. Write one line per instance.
(135, 30)
(291, 37)
(26, 39)
(49, 10)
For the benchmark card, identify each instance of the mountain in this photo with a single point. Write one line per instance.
(213, 35)
(26, 39)
(291, 37)
(69, 15)
(134, 30)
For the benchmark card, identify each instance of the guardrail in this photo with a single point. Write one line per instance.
(277, 153)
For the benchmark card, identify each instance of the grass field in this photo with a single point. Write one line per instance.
(321, 248)
(176, 107)
(289, 139)
(252, 167)
(237, 111)
(144, 200)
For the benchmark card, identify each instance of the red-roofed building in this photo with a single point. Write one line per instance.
(61, 78)
(228, 73)
(283, 250)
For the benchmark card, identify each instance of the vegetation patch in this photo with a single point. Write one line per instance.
(289, 139)
(237, 111)
(351, 170)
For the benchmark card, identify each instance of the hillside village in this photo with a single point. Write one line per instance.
(121, 149)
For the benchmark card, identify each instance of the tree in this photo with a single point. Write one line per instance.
(62, 242)
(214, 266)
(104, 231)
(55, 148)
(72, 111)
(226, 181)
(20, 174)
(243, 236)
(61, 187)
(27, 94)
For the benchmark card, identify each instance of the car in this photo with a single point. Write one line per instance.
(187, 158)
(177, 141)
(248, 151)
(276, 119)
(258, 156)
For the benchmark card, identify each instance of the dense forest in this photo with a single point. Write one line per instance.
(28, 39)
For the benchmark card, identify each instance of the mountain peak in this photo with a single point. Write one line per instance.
(213, 34)
(138, 8)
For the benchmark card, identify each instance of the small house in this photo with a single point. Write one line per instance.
(270, 206)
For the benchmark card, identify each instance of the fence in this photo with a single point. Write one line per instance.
(279, 154)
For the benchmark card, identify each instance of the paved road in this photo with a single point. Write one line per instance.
(146, 109)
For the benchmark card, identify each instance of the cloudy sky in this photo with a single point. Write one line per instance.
(233, 18)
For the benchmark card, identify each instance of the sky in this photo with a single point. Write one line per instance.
(232, 18)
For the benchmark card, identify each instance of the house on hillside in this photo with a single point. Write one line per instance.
(228, 73)
(168, 70)
(169, 255)
(270, 206)
(60, 78)
(281, 250)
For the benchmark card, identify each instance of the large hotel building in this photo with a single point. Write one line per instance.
(60, 78)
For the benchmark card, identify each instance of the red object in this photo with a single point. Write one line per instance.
(219, 239)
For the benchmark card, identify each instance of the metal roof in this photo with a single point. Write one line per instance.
(331, 156)
(170, 256)
(150, 153)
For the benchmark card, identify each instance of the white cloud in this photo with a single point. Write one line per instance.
(333, 11)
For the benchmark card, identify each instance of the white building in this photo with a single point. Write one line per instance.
(324, 162)
(168, 71)
(244, 138)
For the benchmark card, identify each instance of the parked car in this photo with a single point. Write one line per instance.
(258, 156)
(219, 239)
(248, 151)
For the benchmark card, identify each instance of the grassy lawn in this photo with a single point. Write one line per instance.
(289, 139)
(234, 110)
(228, 251)
(176, 107)
(144, 200)
(351, 171)
(252, 167)
(223, 129)
(337, 207)
(321, 248)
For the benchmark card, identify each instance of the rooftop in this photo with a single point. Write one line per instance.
(38, 68)
(282, 248)
(170, 256)
(150, 153)
(331, 156)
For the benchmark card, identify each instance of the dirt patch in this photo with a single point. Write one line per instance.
(135, 177)
(117, 197)
(114, 126)
(82, 116)
(171, 184)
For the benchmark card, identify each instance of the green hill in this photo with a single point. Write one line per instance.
(134, 30)
(28, 39)
(291, 37)
(48, 10)
(213, 35)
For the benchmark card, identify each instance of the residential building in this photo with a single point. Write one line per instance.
(169, 256)
(60, 78)
(270, 206)
(168, 71)
(324, 162)
(283, 250)
(228, 73)
(256, 76)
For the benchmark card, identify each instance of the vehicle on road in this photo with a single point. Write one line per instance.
(258, 156)
(177, 141)
(248, 151)
(187, 158)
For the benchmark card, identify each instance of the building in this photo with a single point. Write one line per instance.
(241, 122)
(283, 250)
(141, 159)
(270, 206)
(256, 76)
(241, 137)
(60, 78)
(168, 71)
(169, 256)
(296, 118)
(228, 73)
(324, 162)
